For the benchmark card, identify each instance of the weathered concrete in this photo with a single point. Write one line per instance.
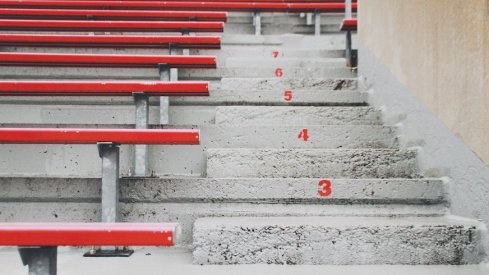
(273, 115)
(268, 190)
(83, 161)
(287, 83)
(152, 260)
(275, 97)
(298, 163)
(186, 213)
(216, 97)
(345, 240)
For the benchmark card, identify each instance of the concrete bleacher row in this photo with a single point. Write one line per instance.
(72, 16)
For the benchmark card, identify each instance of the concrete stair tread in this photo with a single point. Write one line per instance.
(338, 240)
(298, 163)
(268, 190)
(297, 115)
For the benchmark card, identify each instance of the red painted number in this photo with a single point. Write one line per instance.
(275, 54)
(324, 188)
(278, 72)
(288, 95)
(304, 134)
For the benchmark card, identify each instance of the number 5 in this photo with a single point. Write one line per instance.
(288, 95)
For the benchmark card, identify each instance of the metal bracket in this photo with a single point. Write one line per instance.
(317, 23)
(349, 52)
(109, 152)
(42, 260)
(257, 22)
(141, 162)
(165, 75)
(109, 253)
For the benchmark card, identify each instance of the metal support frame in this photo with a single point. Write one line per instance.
(42, 260)
(317, 23)
(257, 22)
(109, 152)
(141, 159)
(184, 51)
(348, 50)
(165, 75)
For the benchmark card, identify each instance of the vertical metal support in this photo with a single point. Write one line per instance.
(348, 53)
(174, 71)
(164, 101)
(257, 22)
(348, 10)
(308, 18)
(184, 51)
(317, 23)
(141, 162)
(109, 152)
(41, 260)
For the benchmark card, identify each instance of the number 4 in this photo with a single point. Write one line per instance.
(304, 134)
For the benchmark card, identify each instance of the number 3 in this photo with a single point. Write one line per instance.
(324, 188)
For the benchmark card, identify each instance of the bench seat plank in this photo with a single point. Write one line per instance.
(86, 234)
(110, 41)
(180, 5)
(108, 26)
(102, 88)
(105, 60)
(349, 24)
(143, 15)
(93, 136)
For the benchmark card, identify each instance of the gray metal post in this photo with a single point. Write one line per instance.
(348, 14)
(257, 22)
(141, 163)
(317, 23)
(109, 152)
(41, 260)
(348, 10)
(174, 71)
(165, 75)
(184, 51)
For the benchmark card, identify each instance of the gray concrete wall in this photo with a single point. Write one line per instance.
(442, 153)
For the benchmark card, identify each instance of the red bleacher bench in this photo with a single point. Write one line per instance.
(105, 60)
(87, 234)
(110, 41)
(37, 242)
(128, 15)
(94, 136)
(349, 24)
(108, 26)
(179, 5)
(102, 88)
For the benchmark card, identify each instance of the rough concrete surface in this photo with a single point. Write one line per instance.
(267, 190)
(293, 115)
(158, 261)
(287, 83)
(320, 240)
(298, 163)
(186, 213)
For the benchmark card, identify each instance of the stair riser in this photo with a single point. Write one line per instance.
(186, 213)
(276, 83)
(227, 190)
(299, 163)
(337, 244)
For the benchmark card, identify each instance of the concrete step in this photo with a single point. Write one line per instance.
(258, 190)
(186, 213)
(297, 115)
(338, 240)
(266, 71)
(178, 260)
(275, 97)
(291, 41)
(281, 28)
(305, 163)
(253, 62)
(282, 52)
(188, 115)
(287, 82)
(83, 160)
